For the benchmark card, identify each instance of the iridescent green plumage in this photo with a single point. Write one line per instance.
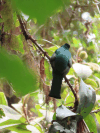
(61, 63)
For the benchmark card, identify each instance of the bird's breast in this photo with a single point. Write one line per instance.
(61, 62)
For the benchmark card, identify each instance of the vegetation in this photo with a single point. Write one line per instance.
(30, 32)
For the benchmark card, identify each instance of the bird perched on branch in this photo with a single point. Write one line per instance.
(61, 63)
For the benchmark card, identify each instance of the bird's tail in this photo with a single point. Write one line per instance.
(56, 86)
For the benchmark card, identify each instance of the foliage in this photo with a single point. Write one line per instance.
(51, 24)
(12, 68)
(34, 8)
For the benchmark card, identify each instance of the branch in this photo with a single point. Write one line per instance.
(74, 93)
(87, 27)
(60, 24)
(70, 19)
(95, 111)
(71, 16)
(28, 36)
(80, 6)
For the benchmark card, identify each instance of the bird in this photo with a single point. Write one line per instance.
(61, 63)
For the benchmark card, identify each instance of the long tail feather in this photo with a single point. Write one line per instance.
(56, 86)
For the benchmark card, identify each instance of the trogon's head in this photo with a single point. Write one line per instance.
(66, 45)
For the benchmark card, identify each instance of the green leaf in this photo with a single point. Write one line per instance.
(70, 99)
(21, 128)
(40, 10)
(97, 74)
(91, 46)
(37, 126)
(71, 71)
(34, 94)
(14, 18)
(36, 110)
(98, 117)
(72, 128)
(10, 113)
(87, 98)
(9, 123)
(56, 38)
(91, 123)
(18, 107)
(47, 70)
(64, 115)
(3, 99)
(17, 24)
(53, 48)
(62, 112)
(54, 116)
(94, 66)
(36, 120)
(32, 128)
(83, 43)
(95, 30)
(23, 120)
(50, 52)
(76, 42)
(91, 82)
(17, 73)
(98, 80)
(63, 87)
(20, 44)
(17, 43)
(47, 114)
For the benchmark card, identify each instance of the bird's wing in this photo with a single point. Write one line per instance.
(52, 60)
(53, 57)
(68, 67)
(70, 63)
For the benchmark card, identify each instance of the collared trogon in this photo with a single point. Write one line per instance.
(61, 63)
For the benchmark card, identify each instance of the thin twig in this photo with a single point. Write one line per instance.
(38, 29)
(97, 7)
(60, 24)
(80, 6)
(74, 93)
(87, 27)
(95, 111)
(47, 41)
